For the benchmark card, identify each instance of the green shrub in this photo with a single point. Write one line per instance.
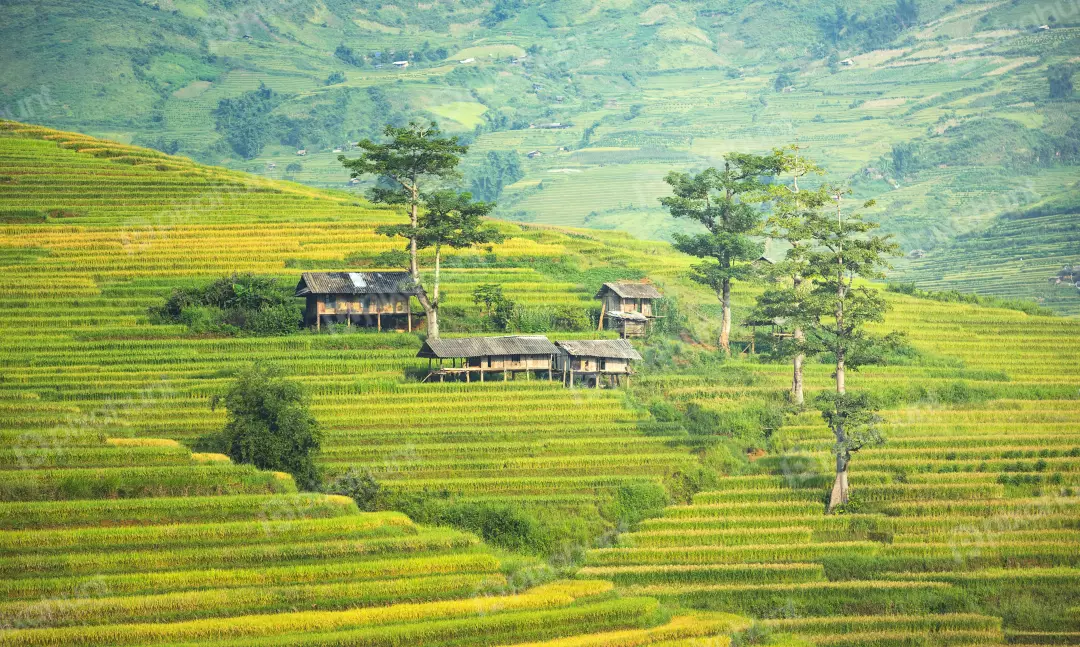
(241, 303)
(269, 425)
(634, 502)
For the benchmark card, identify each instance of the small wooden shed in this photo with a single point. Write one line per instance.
(477, 356)
(627, 306)
(593, 360)
(371, 299)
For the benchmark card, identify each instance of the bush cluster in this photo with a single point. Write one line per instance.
(241, 303)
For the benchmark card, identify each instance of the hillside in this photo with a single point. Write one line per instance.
(116, 533)
(110, 522)
(943, 112)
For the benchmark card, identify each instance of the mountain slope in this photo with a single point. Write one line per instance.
(944, 114)
(115, 533)
(976, 490)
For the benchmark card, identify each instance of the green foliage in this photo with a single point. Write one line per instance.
(360, 486)
(498, 170)
(502, 11)
(670, 319)
(543, 318)
(241, 303)
(854, 419)
(875, 31)
(245, 121)
(755, 634)
(1060, 77)
(721, 202)
(415, 154)
(489, 295)
(528, 530)
(269, 424)
(634, 502)
(346, 55)
(589, 278)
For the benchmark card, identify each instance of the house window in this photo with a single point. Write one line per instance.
(516, 359)
(603, 364)
(489, 361)
(331, 303)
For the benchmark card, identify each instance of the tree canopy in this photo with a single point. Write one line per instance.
(724, 202)
(269, 424)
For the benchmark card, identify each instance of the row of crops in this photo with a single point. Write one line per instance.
(964, 526)
(114, 533)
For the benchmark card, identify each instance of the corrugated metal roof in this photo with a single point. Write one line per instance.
(606, 348)
(629, 290)
(632, 316)
(356, 283)
(484, 346)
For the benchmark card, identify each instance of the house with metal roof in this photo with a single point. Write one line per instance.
(594, 360)
(369, 299)
(627, 306)
(470, 357)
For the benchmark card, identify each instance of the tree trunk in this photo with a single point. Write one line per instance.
(839, 494)
(725, 321)
(431, 309)
(841, 350)
(797, 362)
(797, 373)
(414, 267)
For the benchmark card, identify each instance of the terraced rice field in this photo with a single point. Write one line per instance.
(113, 532)
(967, 506)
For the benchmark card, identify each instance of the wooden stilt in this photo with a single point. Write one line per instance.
(378, 320)
(481, 374)
(571, 377)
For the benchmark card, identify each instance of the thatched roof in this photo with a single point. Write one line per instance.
(485, 346)
(628, 290)
(356, 283)
(606, 348)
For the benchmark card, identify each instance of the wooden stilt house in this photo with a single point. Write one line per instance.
(627, 307)
(475, 357)
(594, 361)
(380, 300)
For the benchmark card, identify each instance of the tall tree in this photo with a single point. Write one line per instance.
(723, 202)
(787, 299)
(415, 155)
(448, 219)
(843, 250)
